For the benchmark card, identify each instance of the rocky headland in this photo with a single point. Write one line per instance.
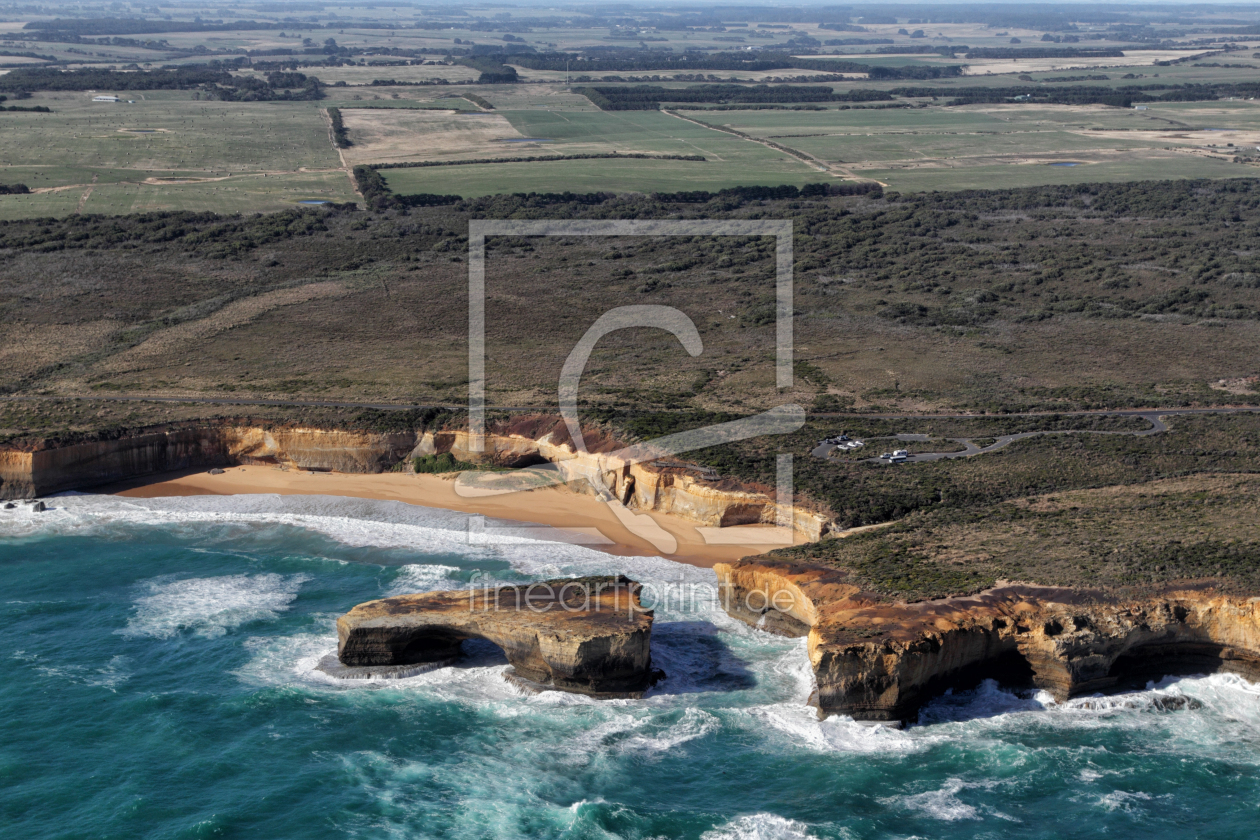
(880, 661)
(584, 635)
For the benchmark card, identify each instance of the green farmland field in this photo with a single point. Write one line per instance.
(167, 151)
(236, 194)
(1013, 145)
(164, 132)
(581, 176)
(729, 160)
(996, 177)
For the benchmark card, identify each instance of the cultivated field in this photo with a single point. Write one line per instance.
(386, 136)
(167, 150)
(1013, 145)
(238, 193)
(729, 160)
(171, 148)
(592, 176)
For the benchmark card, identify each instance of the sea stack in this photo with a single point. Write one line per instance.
(584, 635)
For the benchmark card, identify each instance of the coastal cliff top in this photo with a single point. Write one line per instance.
(1128, 539)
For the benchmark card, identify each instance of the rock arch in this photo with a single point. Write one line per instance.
(584, 635)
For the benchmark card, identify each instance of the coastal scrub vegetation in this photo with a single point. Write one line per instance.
(1120, 539)
(964, 301)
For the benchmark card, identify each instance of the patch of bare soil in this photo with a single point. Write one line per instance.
(397, 135)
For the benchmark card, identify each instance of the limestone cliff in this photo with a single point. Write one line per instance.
(664, 486)
(44, 468)
(585, 635)
(880, 661)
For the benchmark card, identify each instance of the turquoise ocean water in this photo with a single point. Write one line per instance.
(159, 683)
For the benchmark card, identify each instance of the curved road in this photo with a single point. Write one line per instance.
(1153, 417)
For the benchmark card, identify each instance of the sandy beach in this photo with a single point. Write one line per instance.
(592, 522)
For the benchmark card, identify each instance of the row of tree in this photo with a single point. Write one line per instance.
(726, 61)
(215, 80)
(650, 97)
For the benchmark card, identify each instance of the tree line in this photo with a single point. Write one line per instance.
(214, 80)
(650, 97)
(726, 61)
(338, 129)
(414, 164)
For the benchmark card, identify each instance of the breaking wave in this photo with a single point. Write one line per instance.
(211, 606)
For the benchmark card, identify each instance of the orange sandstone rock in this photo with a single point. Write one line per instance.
(584, 635)
(880, 661)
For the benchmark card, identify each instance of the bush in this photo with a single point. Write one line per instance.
(443, 463)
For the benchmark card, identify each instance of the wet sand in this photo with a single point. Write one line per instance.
(598, 525)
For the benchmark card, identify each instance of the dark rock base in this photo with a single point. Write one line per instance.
(331, 666)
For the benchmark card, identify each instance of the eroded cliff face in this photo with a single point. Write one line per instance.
(53, 469)
(522, 442)
(318, 449)
(880, 661)
(584, 635)
(660, 487)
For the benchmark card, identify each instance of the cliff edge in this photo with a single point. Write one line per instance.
(880, 661)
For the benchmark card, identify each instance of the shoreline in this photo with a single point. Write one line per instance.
(589, 521)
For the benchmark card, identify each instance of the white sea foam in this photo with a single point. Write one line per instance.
(695, 723)
(352, 522)
(942, 804)
(771, 676)
(988, 700)
(210, 606)
(421, 577)
(841, 734)
(639, 732)
(1122, 800)
(760, 827)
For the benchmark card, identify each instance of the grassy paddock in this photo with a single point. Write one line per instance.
(730, 160)
(987, 146)
(1003, 176)
(166, 132)
(582, 176)
(238, 194)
